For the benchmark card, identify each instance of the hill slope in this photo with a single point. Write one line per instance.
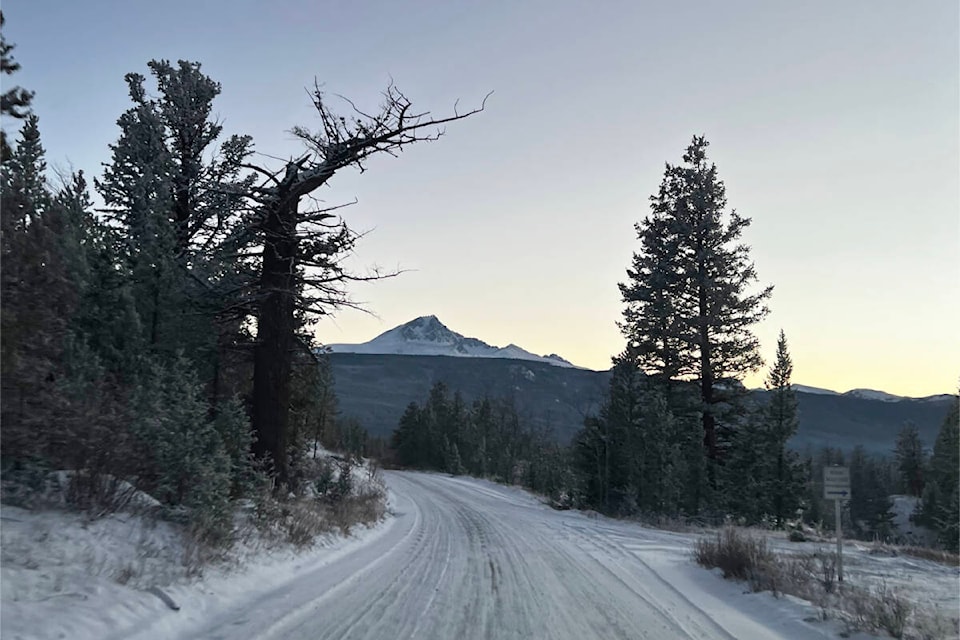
(376, 388)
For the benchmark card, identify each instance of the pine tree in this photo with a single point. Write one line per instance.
(326, 402)
(941, 495)
(911, 460)
(188, 465)
(870, 488)
(301, 253)
(15, 101)
(179, 198)
(39, 293)
(689, 312)
(749, 470)
(633, 455)
(782, 421)
(407, 439)
(621, 417)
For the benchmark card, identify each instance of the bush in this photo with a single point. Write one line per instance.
(814, 578)
(23, 481)
(341, 499)
(233, 427)
(325, 480)
(344, 485)
(890, 611)
(827, 571)
(739, 556)
(187, 467)
(933, 555)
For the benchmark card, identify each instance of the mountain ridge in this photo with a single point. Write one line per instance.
(376, 389)
(427, 336)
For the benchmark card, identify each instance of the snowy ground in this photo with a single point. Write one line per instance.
(460, 558)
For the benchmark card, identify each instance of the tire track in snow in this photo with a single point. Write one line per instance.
(467, 563)
(704, 626)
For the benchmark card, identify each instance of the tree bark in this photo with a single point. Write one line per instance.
(276, 327)
(706, 366)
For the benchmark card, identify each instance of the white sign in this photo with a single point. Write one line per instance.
(836, 483)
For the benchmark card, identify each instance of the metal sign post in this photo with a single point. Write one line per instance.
(836, 487)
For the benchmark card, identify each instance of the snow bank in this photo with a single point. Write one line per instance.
(64, 575)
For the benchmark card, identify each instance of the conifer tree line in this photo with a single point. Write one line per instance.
(487, 438)
(164, 338)
(935, 478)
(931, 476)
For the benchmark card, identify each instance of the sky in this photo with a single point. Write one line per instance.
(835, 126)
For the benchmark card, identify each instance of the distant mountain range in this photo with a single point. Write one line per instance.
(864, 394)
(427, 336)
(376, 380)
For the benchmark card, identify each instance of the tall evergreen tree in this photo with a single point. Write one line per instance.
(178, 197)
(15, 101)
(37, 290)
(689, 309)
(635, 455)
(407, 439)
(782, 421)
(911, 460)
(871, 484)
(941, 495)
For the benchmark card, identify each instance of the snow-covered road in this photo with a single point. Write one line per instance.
(463, 559)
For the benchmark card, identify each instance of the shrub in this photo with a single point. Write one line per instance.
(814, 578)
(325, 480)
(344, 485)
(739, 556)
(188, 467)
(23, 480)
(933, 555)
(827, 571)
(341, 500)
(890, 611)
(233, 427)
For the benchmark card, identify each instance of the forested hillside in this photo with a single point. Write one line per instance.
(375, 390)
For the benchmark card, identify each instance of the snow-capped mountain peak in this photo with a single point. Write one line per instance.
(429, 329)
(867, 394)
(427, 336)
(873, 394)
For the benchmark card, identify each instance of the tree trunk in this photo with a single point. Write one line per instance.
(706, 382)
(778, 498)
(273, 357)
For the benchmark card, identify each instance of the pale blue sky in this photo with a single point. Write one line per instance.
(834, 124)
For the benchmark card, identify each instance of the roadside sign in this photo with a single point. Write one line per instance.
(836, 487)
(836, 483)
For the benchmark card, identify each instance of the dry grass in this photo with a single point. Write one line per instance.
(738, 556)
(934, 555)
(335, 502)
(813, 577)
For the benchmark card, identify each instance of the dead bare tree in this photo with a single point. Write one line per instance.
(302, 270)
